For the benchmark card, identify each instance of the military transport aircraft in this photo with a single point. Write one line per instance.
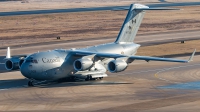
(87, 63)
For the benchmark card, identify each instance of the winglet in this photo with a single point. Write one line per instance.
(191, 57)
(8, 53)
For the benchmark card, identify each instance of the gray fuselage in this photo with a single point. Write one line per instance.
(57, 64)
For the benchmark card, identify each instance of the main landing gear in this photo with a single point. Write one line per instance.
(32, 82)
(89, 77)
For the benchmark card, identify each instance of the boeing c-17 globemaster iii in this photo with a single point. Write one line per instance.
(87, 63)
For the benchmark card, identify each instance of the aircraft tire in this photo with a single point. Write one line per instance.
(30, 84)
(89, 77)
(100, 78)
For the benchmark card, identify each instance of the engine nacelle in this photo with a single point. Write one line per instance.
(12, 64)
(82, 64)
(117, 66)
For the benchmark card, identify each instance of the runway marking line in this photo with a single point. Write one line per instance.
(166, 69)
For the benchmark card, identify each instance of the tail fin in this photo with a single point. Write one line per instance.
(132, 22)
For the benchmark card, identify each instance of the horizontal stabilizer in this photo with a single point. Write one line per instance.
(156, 9)
(118, 9)
(144, 7)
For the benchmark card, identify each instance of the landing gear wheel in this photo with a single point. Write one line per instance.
(94, 78)
(89, 77)
(100, 78)
(30, 83)
(71, 79)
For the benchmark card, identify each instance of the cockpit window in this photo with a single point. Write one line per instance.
(31, 61)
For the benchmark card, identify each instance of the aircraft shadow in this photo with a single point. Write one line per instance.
(79, 83)
(22, 83)
(13, 83)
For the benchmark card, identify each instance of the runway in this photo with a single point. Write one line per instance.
(136, 89)
(149, 87)
(114, 8)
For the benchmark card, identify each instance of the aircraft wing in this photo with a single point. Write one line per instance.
(146, 58)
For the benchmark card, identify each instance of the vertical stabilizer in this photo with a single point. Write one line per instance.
(131, 23)
(8, 53)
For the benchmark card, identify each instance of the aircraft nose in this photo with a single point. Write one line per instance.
(25, 70)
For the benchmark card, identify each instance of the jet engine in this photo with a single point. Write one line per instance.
(117, 66)
(13, 63)
(82, 64)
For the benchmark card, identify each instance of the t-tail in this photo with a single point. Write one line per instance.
(132, 22)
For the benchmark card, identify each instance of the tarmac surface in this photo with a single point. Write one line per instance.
(15, 13)
(146, 87)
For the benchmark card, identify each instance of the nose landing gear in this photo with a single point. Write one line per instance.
(30, 83)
